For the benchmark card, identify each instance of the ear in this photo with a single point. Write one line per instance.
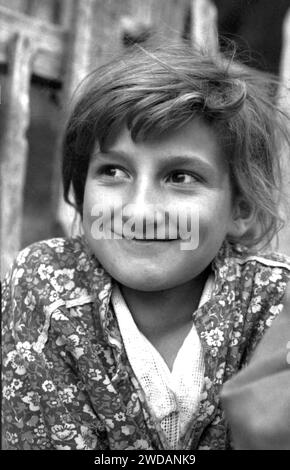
(243, 217)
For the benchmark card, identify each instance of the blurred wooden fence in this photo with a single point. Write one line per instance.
(60, 41)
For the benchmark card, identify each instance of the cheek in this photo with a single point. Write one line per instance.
(215, 213)
(99, 199)
(91, 198)
(88, 196)
(92, 194)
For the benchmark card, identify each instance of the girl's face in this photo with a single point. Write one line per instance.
(181, 169)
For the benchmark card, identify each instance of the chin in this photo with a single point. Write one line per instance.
(141, 281)
(142, 284)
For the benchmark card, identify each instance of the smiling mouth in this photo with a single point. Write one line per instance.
(143, 239)
(151, 239)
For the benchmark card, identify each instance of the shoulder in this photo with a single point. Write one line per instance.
(252, 272)
(50, 270)
(262, 268)
(271, 273)
(52, 252)
(52, 262)
(54, 268)
(263, 288)
(286, 307)
(48, 274)
(258, 280)
(243, 255)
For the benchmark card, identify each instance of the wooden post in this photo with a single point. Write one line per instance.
(64, 18)
(285, 63)
(78, 58)
(78, 46)
(13, 145)
(284, 101)
(204, 25)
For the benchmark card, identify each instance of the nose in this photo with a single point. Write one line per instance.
(145, 194)
(145, 207)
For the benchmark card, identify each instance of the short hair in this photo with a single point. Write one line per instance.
(153, 89)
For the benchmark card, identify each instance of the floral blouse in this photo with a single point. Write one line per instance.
(67, 382)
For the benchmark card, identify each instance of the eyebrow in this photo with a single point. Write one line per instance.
(170, 161)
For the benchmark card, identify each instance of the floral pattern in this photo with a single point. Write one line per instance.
(67, 382)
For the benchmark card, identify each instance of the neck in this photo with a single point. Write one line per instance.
(160, 312)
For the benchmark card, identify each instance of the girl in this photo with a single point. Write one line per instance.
(122, 339)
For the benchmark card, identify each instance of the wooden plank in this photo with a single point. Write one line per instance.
(285, 62)
(64, 18)
(79, 46)
(204, 25)
(51, 41)
(77, 66)
(284, 99)
(13, 144)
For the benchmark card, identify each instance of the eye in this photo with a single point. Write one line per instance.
(113, 172)
(182, 177)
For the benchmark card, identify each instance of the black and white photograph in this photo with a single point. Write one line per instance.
(145, 229)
